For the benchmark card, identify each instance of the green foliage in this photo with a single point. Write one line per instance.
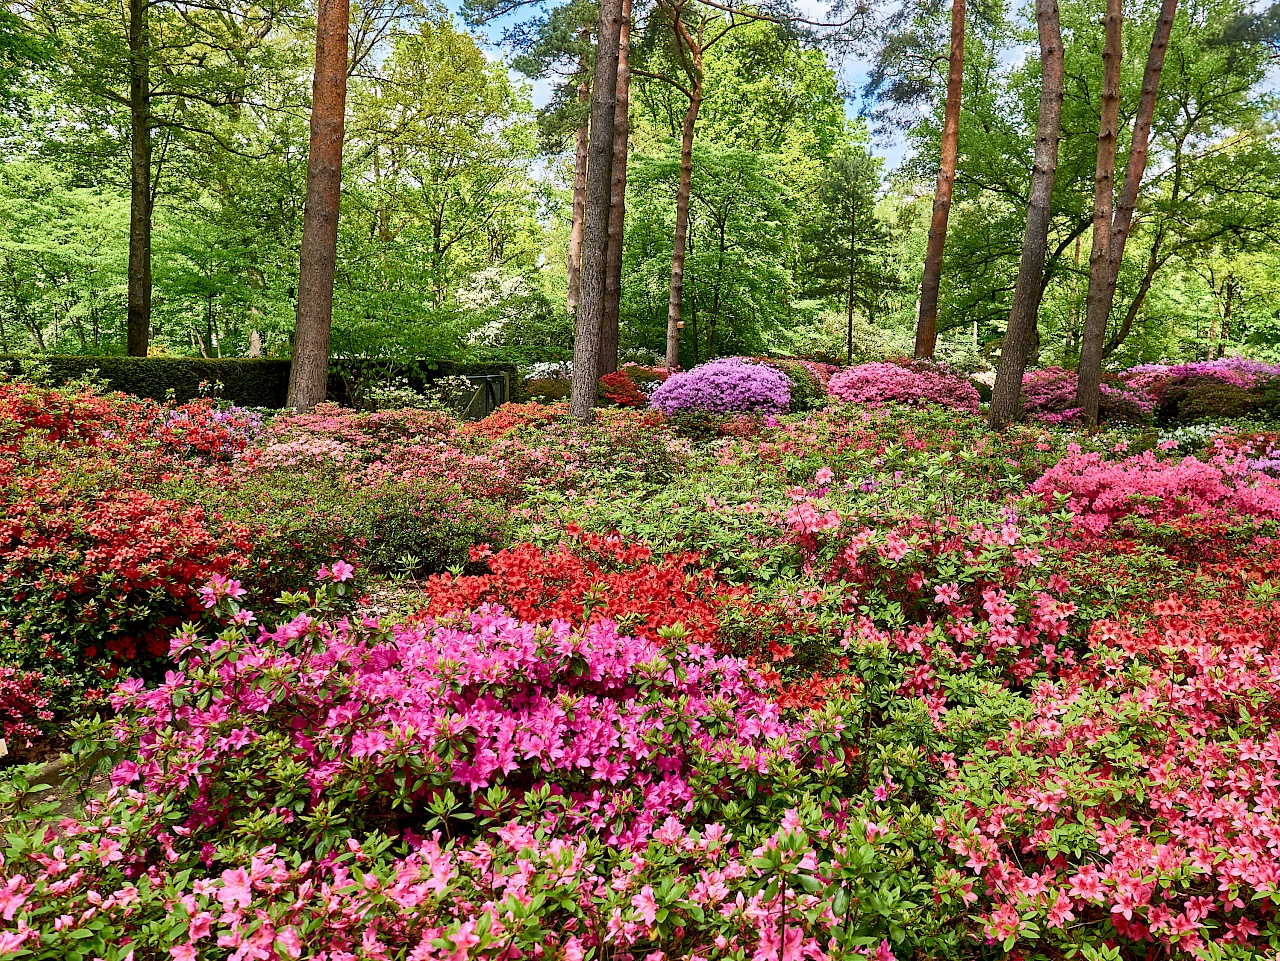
(845, 255)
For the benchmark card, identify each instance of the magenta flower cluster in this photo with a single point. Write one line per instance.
(617, 723)
(1049, 397)
(1237, 371)
(730, 385)
(1101, 491)
(876, 384)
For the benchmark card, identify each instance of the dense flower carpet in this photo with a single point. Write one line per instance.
(811, 666)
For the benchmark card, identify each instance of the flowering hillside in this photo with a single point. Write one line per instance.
(862, 681)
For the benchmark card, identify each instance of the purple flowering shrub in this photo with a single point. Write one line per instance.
(913, 385)
(730, 385)
(1049, 397)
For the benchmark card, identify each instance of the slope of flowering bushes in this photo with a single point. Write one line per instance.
(858, 682)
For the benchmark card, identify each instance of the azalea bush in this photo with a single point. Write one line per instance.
(1049, 396)
(731, 385)
(435, 761)
(1130, 806)
(910, 384)
(1100, 490)
(1228, 387)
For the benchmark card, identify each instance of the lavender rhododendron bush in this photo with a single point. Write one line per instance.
(744, 682)
(732, 385)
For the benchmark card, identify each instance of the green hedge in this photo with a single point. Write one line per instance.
(247, 381)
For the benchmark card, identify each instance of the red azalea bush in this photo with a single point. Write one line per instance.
(91, 570)
(24, 704)
(620, 390)
(590, 578)
(510, 417)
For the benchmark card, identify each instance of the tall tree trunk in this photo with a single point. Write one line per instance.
(617, 200)
(140, 204)
(309, 372)
(595, 230)
(574, 263)
(1089, 370)
(848, 347)
(1104, 263)
(931, 282)
(1023, 314)
(682, 222)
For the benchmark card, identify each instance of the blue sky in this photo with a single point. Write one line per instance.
(853, 74)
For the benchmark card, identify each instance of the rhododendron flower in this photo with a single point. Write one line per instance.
(338, 572)
(220, 587)
(645, 904)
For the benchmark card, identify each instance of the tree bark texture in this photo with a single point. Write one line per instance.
(1024, 313)
(931, 282)
(682, 220)
(574, 261)
(309, 372)
(617, 200)
(1107, 256)
(139, 282)
(1089, 370)
(595, 229)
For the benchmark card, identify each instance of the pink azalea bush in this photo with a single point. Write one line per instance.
(913, 385)
(357, 751)
(1135, 803)
(1236, 371)
(1100, 491)
(1049, 397)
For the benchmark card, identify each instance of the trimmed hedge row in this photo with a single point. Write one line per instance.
(247, 381)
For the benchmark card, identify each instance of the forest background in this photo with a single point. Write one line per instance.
(457, 199)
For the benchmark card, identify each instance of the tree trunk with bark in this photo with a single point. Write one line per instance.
(139, 282)
(682, 223)
(1089, 370)
(309, 372)
(617, 200)
(574, 260)
(595, 231)
(1024, 313)
(931, 282)
(1111, 231)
